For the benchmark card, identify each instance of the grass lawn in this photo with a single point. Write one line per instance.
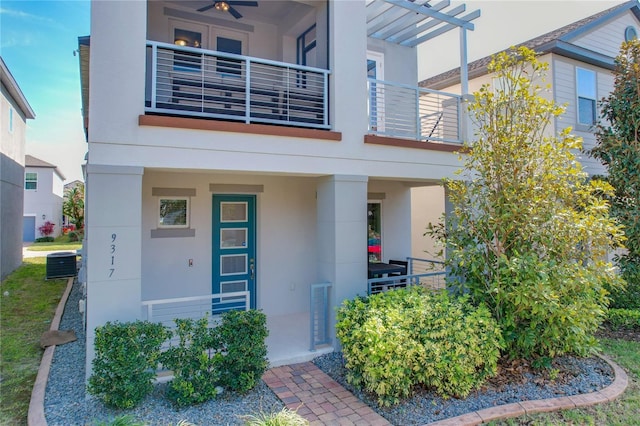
(27, 305)
(61, 243)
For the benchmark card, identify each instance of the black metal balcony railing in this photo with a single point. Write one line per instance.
(205, 83)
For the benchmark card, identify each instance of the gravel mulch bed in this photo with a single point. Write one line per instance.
(66, 402)
(515, 382)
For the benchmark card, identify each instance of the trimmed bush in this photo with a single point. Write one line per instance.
(125, 363)
(395, 341)
(44, 240)
(623, 319)
(243, 335)
(231, 355)
(194, 362)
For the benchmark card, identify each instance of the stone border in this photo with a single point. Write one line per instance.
(516, 409)
(35, 416)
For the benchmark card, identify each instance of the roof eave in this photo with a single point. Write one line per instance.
(14, 90)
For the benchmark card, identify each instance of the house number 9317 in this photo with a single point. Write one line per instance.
(112, 253)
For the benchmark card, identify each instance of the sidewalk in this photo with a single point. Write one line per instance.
(26, 253)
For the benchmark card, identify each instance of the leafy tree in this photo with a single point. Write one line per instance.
(528, 233)
(73, 206)
(618, 148)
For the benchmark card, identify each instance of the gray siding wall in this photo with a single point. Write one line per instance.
(607, 38)
(11, 202)
(564, 86)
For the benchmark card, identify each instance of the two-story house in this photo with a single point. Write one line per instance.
(257, 154)
(14, 113)
(43, 197)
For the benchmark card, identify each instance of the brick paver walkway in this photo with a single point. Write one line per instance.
(318, 398)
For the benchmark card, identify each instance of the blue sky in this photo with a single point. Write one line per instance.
(37, 40)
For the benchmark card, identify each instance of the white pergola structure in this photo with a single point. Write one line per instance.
(409, 23)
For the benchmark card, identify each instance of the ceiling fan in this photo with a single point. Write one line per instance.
(227, 6)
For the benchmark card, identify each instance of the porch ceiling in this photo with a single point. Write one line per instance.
(411, 22)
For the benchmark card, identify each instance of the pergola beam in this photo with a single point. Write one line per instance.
(432, 13)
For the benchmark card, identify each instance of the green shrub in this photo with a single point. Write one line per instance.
(395, 341)
(45, 240)
(243, 335)
(231, 355)
(126, 358)
(125, 420)
(623, 319)
(74, 236)
(284, 417)
(629, 296)
(548, 309)
(194, 362)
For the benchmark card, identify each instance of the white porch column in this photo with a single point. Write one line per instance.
(342, 236)
(113, 251)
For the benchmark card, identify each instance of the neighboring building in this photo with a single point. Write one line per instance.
(43, 194)
(72, 185)
(14, 113)
(580, 57)
(259, 151)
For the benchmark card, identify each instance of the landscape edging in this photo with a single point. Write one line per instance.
(607, 394)
(35, 416)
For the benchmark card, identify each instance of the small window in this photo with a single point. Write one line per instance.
(586, 93)
(10, 120)
(630, 33)
(187, 61)
(306, 44)
(31, 181)
(174, 213)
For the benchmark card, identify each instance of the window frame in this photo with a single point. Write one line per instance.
(161, 225)
(380, 256)
(588, 97)
(26, 174)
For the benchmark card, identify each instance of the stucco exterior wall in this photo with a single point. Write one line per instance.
(12, 143)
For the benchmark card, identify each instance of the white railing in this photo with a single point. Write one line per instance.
(210, 306)
(320, 315)
(404, 111)
(206, 83)
(427, 273)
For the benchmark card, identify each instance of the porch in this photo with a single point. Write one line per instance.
(295, 337)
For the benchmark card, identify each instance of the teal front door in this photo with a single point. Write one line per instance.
(234, 246)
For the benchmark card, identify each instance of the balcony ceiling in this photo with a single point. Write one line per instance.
(269, 11)
(409, 22)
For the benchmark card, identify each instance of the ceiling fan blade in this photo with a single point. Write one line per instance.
(243, 3)
(204, 9)
(234, 12)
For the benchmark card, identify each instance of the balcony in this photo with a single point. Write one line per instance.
(416, 113)
(189, 81)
